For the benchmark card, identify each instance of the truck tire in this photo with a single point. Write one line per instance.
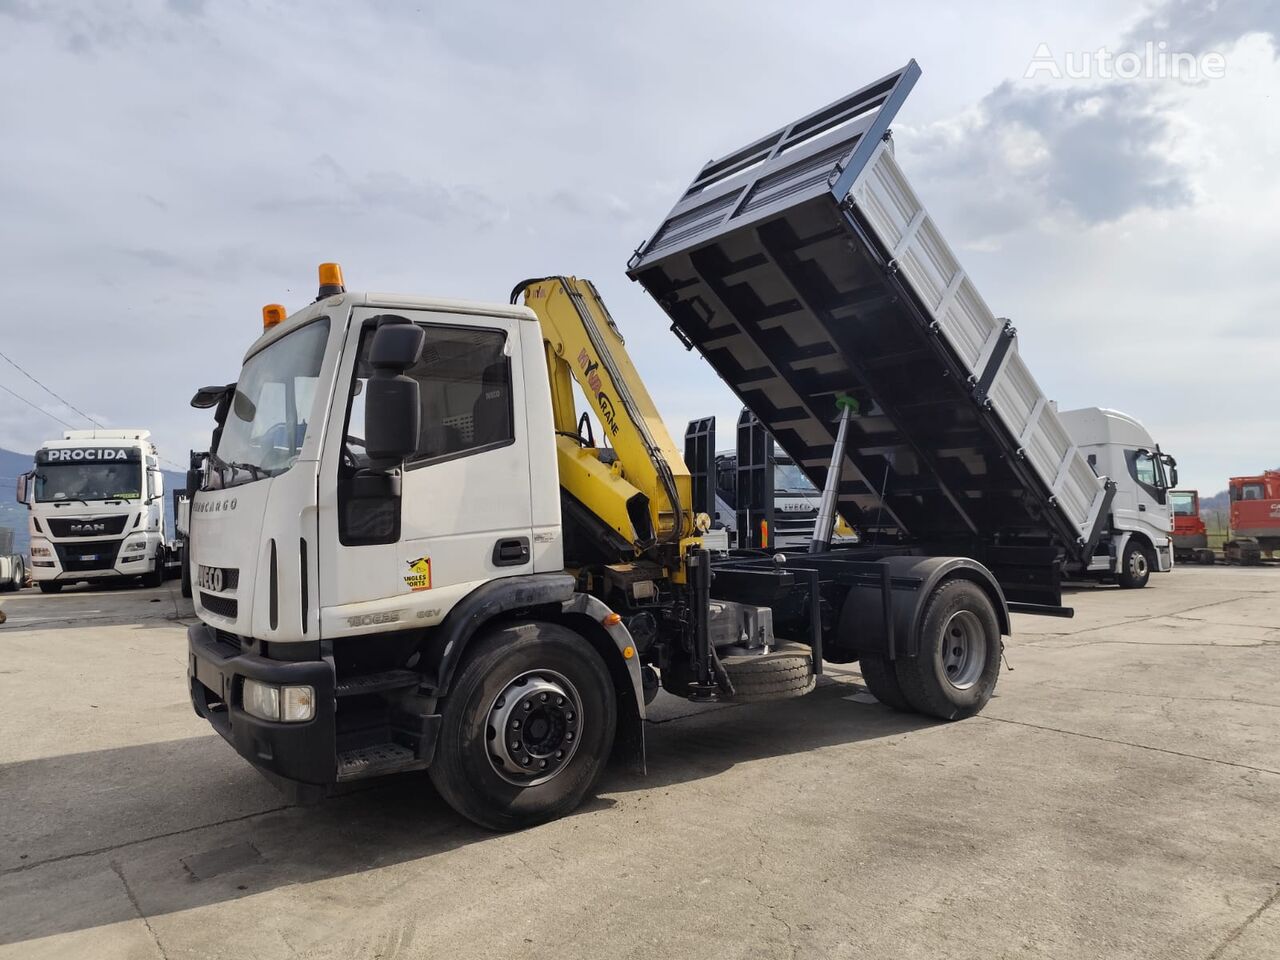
(881, 678)
(955, 673)
(548, 692)
(50, 586)
(19, 573)
(186, 570)
(1135, 565)
(783, 673)
(155, 576)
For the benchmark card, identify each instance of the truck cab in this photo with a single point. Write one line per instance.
(96, 509)
(1255, 509)
(1190, 538)
(1137, 541)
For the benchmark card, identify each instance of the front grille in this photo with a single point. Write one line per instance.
(87, 526)
(81, 555)
(219, 606)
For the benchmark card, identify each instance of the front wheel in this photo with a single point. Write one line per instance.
(527, 727)
(954, 674)
(1135, 565)
(155, 578)
(186, 570)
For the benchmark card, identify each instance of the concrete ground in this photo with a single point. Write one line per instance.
(1119, 798)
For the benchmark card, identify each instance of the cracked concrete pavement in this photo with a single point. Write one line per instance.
(1120, 797)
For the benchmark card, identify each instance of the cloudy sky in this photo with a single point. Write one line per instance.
(170, 167)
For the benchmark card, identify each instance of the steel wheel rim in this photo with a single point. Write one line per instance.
(533, 728)
(1138, 564)
(964, 649)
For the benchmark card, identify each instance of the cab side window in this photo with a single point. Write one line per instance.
(465, 384)
(1145, 469)
(464, 378)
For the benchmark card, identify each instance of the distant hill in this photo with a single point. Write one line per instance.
(14, 516)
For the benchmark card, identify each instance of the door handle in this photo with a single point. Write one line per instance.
(1142, 507)
(511, 552)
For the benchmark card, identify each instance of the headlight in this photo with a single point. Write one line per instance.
(135, 546)
(266, 701)
(41, 550)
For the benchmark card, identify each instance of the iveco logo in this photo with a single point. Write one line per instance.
(214, 506)
(88, 528)
(210, 578)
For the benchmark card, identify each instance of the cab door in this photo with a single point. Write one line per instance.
(462, 514)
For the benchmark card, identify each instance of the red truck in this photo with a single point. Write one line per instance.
(1190, 540)
(1255, 516)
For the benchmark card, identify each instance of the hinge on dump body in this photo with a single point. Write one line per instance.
(682, 337)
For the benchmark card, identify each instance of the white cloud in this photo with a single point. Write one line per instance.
(171, 167)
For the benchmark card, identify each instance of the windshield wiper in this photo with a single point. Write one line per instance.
(255, 472)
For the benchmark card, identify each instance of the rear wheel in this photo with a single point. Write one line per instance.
(881, 679)
(955, 673)
(50, 586)
(527, 727)
(1135, 565)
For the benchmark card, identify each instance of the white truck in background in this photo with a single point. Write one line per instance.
(1137, 540)
(96, 511)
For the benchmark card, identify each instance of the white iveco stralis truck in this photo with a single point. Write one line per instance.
(96, 509)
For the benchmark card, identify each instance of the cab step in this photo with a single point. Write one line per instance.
(375, 760)
(378, 683)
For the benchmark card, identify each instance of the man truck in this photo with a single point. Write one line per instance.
(407, 555)
(96, 510)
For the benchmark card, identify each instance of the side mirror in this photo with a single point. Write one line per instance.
(157, 484)
(392, 405)
(1173, 476)
(207, 397)
(23, 481)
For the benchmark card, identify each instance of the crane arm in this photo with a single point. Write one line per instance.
(645, 495)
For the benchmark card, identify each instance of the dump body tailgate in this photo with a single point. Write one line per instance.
(804, 266)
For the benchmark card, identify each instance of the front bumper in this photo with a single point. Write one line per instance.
(300, 752)
(72, 561)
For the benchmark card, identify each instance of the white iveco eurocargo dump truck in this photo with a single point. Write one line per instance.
(409, 551)
(96, 509)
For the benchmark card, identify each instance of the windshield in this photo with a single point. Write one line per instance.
(789, 480)
(1184, 504)
(88, 481)
(267, 422)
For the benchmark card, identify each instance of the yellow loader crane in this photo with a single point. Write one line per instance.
(630, 497)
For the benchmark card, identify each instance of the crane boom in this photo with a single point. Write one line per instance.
(637, 486)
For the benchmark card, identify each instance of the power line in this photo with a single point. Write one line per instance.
(9, 360)
(34, 407)
(62, 400)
